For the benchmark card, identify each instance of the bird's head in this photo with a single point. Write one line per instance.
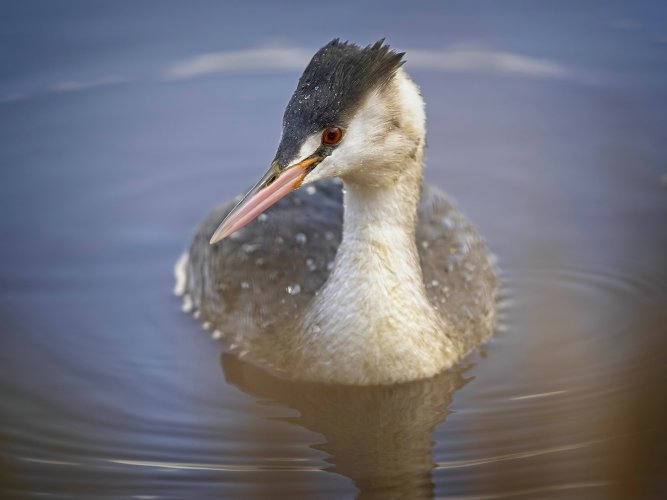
(355, 114)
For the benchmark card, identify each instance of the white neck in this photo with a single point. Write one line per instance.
(379, 233)
(372, 321)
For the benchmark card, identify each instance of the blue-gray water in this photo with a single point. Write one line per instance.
(548, 124)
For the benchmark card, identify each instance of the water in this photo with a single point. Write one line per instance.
(108, 390)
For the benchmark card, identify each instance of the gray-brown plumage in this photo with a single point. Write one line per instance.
(237, 287)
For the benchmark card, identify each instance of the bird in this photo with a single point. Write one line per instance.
(341, 265)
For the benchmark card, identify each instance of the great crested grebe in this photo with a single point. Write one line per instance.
(376, 279)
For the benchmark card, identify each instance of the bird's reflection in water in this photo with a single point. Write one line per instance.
(378, 436)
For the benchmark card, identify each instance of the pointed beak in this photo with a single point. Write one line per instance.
(275, 185)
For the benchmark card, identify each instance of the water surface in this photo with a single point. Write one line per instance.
(107, 390)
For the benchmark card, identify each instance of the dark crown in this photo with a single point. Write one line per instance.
(337, 79)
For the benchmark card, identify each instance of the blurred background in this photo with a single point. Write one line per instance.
(123, 123)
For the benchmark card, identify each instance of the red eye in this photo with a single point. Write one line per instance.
(332, 135)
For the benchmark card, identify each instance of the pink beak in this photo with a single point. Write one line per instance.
(266, 193)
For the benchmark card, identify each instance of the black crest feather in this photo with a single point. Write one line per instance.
(335, 81)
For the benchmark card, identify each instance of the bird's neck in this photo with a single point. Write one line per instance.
(373, 312)
(379, 230)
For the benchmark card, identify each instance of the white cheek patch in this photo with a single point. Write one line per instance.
(360, 145)
(365, 129)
